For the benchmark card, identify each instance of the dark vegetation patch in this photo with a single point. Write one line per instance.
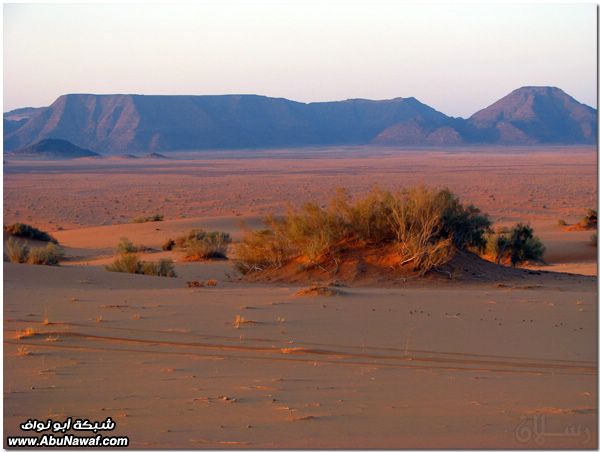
(199, 245)
(148, 218)
(26, 231)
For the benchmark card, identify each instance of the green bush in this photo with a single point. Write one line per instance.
(148, 218)
(28, 232)
(562, 222)
(466, 226)
(16, 251)
(516, 246)
(126, 247)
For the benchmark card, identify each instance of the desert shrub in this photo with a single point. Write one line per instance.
(426, 225)
(417, 217)
(16, 251)
(562, 222)
(164, 267)
(19, 252)
(125, 246)
(465, 225)
(316, 233)
(590, 220)
(372, 218)
(201, 245)
(263, 249)
(51, 254)
(126, 263)
(594, 239)
(367, 219)
(515, 246)
(131, 263)
(168, 245)
(148, 218)
(28, 232)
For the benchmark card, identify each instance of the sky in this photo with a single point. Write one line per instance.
(455, 58)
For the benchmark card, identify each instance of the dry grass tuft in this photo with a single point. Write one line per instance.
(239, 321)
(23, 351)
(27, 332)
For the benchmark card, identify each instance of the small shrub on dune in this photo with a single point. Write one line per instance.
(164, 267)
(200, 245)
(28, 232)
(50, 254)
(562, 223)
(126, 263)
(594, 239)
(16, 251)
(125, 246)
(131, 263)
(20, 253)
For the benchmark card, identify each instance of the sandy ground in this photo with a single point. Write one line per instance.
(429, 366)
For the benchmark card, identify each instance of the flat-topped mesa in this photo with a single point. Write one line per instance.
(119, 123)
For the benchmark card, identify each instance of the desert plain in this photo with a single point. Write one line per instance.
(482, 360)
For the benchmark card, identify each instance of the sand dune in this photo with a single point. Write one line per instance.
(338, 363)
(440, 363)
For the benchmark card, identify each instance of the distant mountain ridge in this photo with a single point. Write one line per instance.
(139, 123)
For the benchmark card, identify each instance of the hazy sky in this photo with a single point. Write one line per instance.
(457, 59)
